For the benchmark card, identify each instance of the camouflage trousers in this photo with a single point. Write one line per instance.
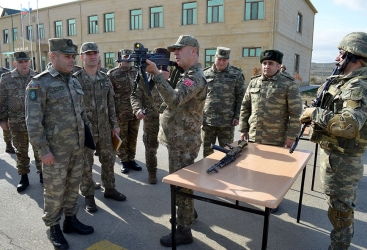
(106, 157)
(179, 159)
(209, 135)
(7, 136)
(340, 175)
(129, 135)
(150, 139)
(21, 143)
(61, 185)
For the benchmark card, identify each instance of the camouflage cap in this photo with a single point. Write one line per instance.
(88, 46)
(273, 55)
(162, 51)
(126, 52)
(223, 52)
(62, 45)
(21, 55)
(182, 41)
(355, 43)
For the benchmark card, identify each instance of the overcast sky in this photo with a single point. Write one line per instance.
(334, 20)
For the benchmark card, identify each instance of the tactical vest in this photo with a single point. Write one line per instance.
(351, 147)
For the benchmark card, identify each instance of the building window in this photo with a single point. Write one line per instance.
(296, 63)
(299, 23)
(156, 17)
(136, 20)
(209, 57)
(189, 13)
(71, 27)
(109, 60)
(109, 22)
(6, 36)
(15, 34)
(251, 52)
(215, 11)
(58, 29)
(93, 24)
(7, 63)
(41, 33)
(30, 32)
(254, 9)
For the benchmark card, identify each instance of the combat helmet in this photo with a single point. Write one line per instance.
(355, 43)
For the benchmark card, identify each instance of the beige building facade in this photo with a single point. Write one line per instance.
(246, 26)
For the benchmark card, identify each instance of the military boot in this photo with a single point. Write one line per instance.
(73, 225)
(183, 237)
(152, 177)
(112, 193)
(90, 204)
(23, 184)
(9, 148)
(134, 166)
(124, 167)
(57, 238)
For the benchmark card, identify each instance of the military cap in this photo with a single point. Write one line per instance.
(62, 45)
(126, 52)
(223, 52)
(89, 46)
(182, 41)
(273, 55)
(21, 55)
(162, 51)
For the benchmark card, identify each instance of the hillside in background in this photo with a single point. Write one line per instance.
(319, 72)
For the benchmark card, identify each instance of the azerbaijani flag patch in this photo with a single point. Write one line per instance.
(33, 88)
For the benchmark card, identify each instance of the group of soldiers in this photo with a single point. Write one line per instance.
(69, 114)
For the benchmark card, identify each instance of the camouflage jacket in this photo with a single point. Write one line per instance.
(270, 109)
(98, 102)
(349, 100)
(123, 85)
(12, 97)
(55, 113)
(180, 123)
(225, 94)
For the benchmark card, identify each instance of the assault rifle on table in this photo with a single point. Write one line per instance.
(231, 155)
(322, 97)
(139, 57)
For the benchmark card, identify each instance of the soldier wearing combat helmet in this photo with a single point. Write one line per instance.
(339, 126)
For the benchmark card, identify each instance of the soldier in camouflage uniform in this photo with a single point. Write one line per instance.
(226, 88)
(122, 78)
(180, 124)
(339, 126)
(283, 70)
(56, 123)
(12, 94)
(271, 105)
(147, 107)
(100, 109)
(6, 133)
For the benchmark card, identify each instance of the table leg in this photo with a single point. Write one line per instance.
(301, 194)
(266, 229)
(173, 215)
(314, 166)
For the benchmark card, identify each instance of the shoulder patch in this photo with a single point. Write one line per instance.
(188, 82)
(256, 76)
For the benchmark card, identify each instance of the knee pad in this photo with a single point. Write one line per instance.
(340, 219)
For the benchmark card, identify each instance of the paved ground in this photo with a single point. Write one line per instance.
(142, 219)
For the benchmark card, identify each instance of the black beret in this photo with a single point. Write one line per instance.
(273, 55)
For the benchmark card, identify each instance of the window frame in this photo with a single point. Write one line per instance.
(6, 36)
(297, 59)
(136, 18)
(299, 23)
(156, 17)
(15, 33)
(254, 14)
(256, 52)
(93, 24)
(58, 28)
(209, 57)
(40, 31)
(209, 12)
(71, 27)
(109, 60)
(109, 23)
(185, 15)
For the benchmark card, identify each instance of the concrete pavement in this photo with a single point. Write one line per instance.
(143, 218)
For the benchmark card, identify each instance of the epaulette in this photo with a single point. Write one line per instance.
(207, 68)
(253, 77)
(6, 73)
(237, 68)
(112, 70)
(288, 76)
(77, 73)
(40, 74)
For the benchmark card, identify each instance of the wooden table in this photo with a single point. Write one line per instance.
(261, 175)
(306, 137)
